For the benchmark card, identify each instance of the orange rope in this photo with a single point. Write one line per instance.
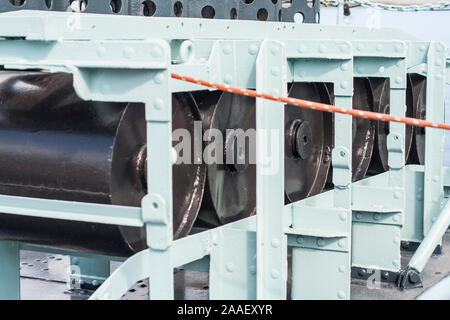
(315, 105)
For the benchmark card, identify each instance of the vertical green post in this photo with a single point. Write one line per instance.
(9, 270)
(396, 156)
(342, 171)
(271, 240)
(434, 138)
(157, 204)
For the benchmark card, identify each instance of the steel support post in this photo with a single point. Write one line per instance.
(321, 225)
(431, 240)
(271, 77)
(410, 278)
(342, 177)
(396, 161)
(157, 204)
(9, 270)
(378, 202)
(434, 138)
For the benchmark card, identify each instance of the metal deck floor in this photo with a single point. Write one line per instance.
(45, 277)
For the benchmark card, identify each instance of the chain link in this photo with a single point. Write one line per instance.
(407, 8)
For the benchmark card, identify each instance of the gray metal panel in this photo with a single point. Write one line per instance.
(97, 6)
(214, 9)
(309, 11)
(263, 10)
(159, 8)
(12, 5)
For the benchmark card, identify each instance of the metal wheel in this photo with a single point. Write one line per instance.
(417, 86)
(231, 185)
(308, 140)
(230, 189)
(188, 178)
(363, 129)
(381, 94)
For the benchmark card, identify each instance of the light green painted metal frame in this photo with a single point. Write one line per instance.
(129, 59)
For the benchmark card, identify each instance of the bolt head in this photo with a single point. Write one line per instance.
(228, 78)
(341, 294)
(301, 48)
(275, 243)
(253, 49)
(413, 278)
(158, 104)
(275, 274)
(230, 267)
(226, 49)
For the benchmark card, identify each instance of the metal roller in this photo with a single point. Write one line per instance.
(308, 143)
(363, 129)
(380, 90)
(417, 86)
(230, 192)
(55, 146)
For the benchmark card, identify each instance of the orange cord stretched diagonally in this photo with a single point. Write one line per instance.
(315, 105)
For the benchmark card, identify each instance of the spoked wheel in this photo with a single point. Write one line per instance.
(363, 129)
(417, 85)
(231, 173)
(380, 90)
(308, 140)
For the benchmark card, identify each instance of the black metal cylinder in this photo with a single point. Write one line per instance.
(55, 146)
